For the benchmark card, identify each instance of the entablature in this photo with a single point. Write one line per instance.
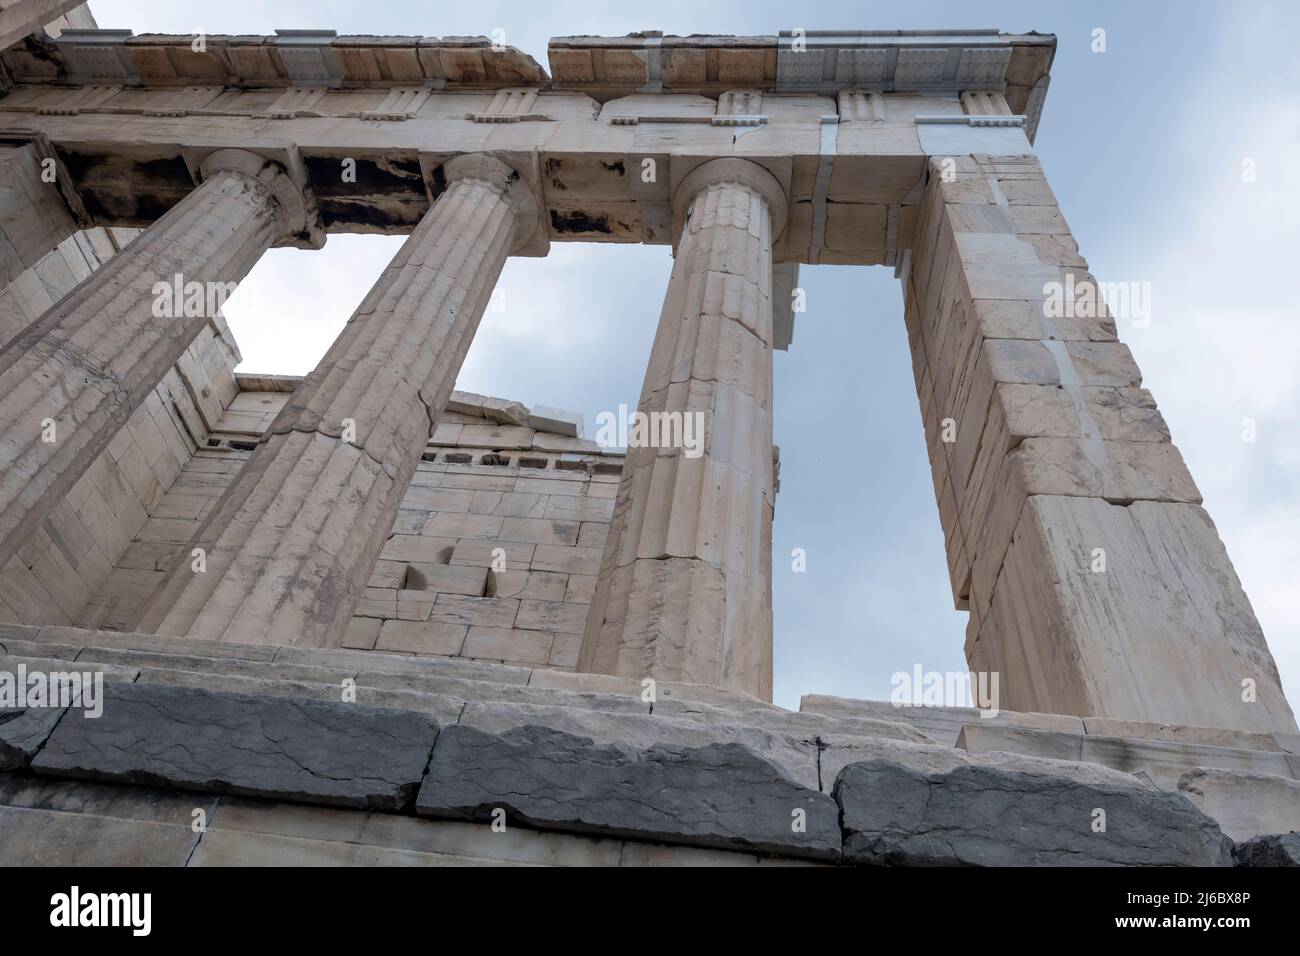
(368, 138)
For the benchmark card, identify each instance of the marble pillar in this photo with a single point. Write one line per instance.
(289, 547)
(71, 379)
(685, 585)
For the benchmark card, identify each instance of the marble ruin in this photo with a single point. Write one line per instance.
(425, 592)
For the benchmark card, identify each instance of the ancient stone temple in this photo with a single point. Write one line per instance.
(361, 617)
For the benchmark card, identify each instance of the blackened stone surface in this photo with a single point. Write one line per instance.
(22, 731)
(1279, 849)
(294, 749)
(720, 795)
(984, 816)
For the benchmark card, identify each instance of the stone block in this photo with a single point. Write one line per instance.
(563, 444)
(625, 720)
(480, 611)
(1176, 733)
(466, 403)
(505, 412)
(560, 533)
(69, 823)
(447, 579)
(422, 637)
(551, 616)
(23, 731)
(943, 724)
(46, 838)
(339, 754)
(1280, 849)
(324, 828)
(1164, 761)
(546, 418)
(1244, 804)
(979, 738)
(508, 644)
(986, 816)
(720, 795)
(536, 585)
(496, 437)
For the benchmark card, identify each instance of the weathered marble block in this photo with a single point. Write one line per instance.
(720, 795)
(308, 751)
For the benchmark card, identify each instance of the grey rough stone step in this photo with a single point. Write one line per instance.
(223, 666)
(309, 751)
(797, 756)
(839, 750)
(1276, 849)
(800, 724)
(479, 690)
(445, 709)
(331, 658)
(942, 724)
(125, 640)
(48, 649)
(403, 664)
(121, 673)
(23, 730)
(721, 795)
(665, 692)
(1163, 761)
(976, 815)
(444, 697)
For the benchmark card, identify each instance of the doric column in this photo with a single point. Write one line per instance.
(71, 379)
(291, 544)
(34, 213)
(685, 585)
(1096, 583)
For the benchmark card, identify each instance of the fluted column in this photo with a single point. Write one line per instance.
(34, 215)
(291, 544)
(71, 379)
(685, 585)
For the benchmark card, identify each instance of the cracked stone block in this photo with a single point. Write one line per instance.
(505, 411)
(1278, 849)
(984, 816)
(547, 418)
(1244, 804)
(309, 751)
(22, 732)
(721, 795)
(466, 403)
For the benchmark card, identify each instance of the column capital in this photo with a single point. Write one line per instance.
(505, 180)
(743, 172)
(294, 202)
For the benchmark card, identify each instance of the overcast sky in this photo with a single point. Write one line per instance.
(1143, 145)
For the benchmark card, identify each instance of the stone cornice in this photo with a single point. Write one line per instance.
(818, 61)
(291, 58)
(821, 62)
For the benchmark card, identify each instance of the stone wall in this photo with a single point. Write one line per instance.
(493, 555)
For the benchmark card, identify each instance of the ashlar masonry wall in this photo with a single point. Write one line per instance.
(493, 555)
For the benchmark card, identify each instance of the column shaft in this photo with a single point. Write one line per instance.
(684, 591)
(71, 379)
(34, 217)
(1097, 585)
(293, 541)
